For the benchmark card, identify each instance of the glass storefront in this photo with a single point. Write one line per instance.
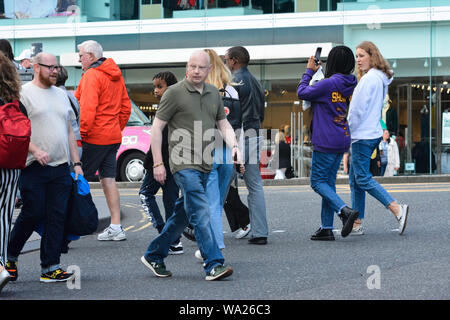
(411, 35)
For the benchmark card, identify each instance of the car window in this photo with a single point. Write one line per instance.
(137, 117)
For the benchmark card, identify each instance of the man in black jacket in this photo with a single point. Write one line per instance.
(251, 97)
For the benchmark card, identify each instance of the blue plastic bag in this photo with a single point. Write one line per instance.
(83, 185)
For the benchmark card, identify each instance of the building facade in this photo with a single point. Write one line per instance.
(148, 36)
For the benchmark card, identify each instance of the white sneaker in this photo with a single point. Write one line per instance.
(403, 218)
(109, 234)
(241, 233)
(357, 231)
(198, 255)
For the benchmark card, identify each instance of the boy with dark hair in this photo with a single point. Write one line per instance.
(150, 186)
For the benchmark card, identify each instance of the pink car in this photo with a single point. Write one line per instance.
(135, 144)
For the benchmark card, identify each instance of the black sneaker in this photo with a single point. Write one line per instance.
(11, 267)
(323, 234)
(219, 272)
(59, 275)
(159, 269)
(188, 232)
(348, 217)
(176, 249)
(258, 240)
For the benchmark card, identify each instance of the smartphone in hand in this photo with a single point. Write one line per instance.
(317, 55)
(237, 166)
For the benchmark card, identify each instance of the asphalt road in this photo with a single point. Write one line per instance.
(378, 265)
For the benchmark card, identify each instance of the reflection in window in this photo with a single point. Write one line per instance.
(38, 8)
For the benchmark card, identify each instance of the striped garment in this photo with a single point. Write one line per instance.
(8, 189)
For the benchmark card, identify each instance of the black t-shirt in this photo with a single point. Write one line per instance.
(148, 161)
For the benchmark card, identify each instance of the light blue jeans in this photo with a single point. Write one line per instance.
(323, 181)
(217, 189)
(256, 199)
(192, 207)
(361, 179)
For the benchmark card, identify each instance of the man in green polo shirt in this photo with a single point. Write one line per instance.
(192, 109)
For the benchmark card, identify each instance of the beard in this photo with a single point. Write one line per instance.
(47, 81)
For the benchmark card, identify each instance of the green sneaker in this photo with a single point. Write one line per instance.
(59, 275)
(219, 272)
(159, 269)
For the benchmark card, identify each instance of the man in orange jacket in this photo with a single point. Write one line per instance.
(105, 109)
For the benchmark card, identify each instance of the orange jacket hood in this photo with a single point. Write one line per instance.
(111, 69)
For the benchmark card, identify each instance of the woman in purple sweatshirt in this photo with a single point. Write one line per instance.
(330, 134)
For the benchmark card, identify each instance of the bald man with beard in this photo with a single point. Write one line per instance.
(45, 184)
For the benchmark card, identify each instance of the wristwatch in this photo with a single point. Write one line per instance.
(78, 164)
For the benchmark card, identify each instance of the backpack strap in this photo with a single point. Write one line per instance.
(19, 103)
(73, 108)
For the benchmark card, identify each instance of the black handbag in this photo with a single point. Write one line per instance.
(82, 215)
(232, 110)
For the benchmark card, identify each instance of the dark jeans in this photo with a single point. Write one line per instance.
(45, 193)
(147, 193)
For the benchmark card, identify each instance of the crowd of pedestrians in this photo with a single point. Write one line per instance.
(219, 99)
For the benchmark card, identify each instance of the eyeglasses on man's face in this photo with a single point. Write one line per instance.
(193, 67)
(51, 67)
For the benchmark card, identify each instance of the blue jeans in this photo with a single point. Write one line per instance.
(191, 208)
(253, 181)
(323, 181)
(147, 193)
(383, 169)
(45, 193)
(216, 190)
(361, 179)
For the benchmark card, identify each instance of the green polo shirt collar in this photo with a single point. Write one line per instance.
(190, 87)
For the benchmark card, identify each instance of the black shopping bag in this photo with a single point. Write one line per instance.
(82, 215)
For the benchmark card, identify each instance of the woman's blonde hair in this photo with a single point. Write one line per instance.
(10, 83)
(376, 59)
(280, 137)
(219, 75)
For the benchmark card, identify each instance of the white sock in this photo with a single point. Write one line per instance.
(115, 227)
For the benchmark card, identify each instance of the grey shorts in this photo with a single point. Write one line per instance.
(101, 158)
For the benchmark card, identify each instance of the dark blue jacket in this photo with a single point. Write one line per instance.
(251, 96)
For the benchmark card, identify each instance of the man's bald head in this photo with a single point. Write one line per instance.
(200, 54)
(198, 67)
(44, 58)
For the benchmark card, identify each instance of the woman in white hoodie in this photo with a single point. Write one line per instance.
(366, 133)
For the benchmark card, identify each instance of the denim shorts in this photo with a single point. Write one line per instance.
(101, 158)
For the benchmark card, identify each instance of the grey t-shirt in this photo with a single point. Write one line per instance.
(191, 118)
(50, 116)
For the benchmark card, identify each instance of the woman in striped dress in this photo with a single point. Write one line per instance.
(9, 91)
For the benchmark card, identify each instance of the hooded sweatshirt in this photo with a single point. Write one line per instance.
(367, 102)
(329, 99)
(105, 105)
